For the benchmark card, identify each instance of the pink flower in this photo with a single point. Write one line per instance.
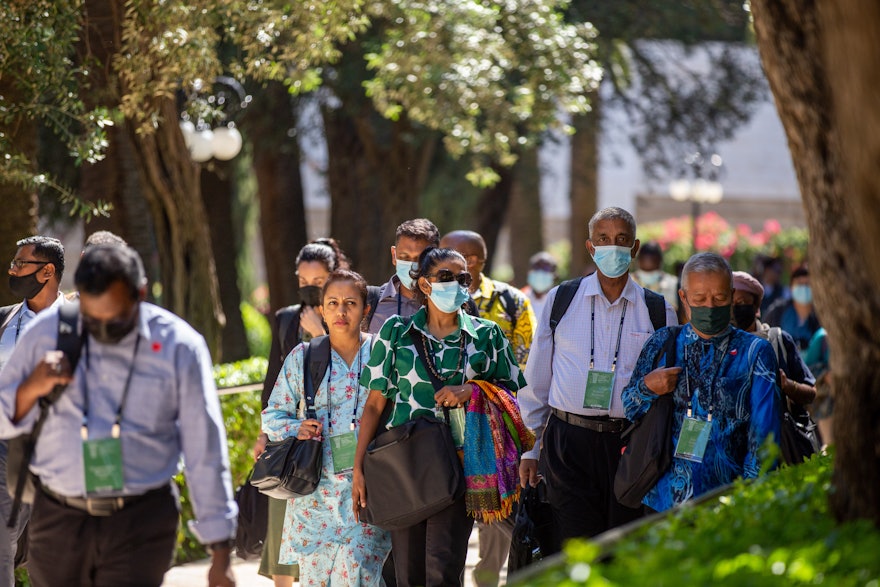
(772, 226)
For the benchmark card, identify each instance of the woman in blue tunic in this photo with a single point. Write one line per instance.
(320, 531)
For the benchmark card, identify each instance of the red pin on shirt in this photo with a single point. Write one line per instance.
(157, 346)
(733, 353)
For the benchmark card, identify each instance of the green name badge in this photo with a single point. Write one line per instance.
(693, 439)
(599, 389)
(342, 449)
(102, 461)
(456, 423)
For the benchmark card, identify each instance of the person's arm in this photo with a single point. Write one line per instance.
(796, 380)
(205, 453)
(369, 423)
(764, 404)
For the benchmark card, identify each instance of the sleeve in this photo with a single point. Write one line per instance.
(279, 418)
(796, 369)
(505, 370)
(534, 398)
(766, 415)
(378, 370)
(636, 396)
(203, 441)
(525, 328)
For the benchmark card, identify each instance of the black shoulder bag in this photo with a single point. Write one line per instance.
(648, 452)
(291, 467)
(412, 471)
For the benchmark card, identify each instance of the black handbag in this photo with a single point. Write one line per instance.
(800, 436)
(533, 537)
(291, 467)
(648, 452)
(411, 472)
(253, 520)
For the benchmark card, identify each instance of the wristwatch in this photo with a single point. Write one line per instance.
(222, 544)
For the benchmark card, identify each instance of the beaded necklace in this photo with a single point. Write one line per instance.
(430, 355)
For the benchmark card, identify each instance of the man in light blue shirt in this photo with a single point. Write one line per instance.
(141, 396)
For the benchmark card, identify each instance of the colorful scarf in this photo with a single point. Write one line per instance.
(495, 437)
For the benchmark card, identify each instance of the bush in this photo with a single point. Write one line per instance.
(258, 330)
(241, 416)
(776, 530)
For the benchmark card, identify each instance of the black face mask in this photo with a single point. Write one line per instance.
(310, 295)
(26, 286)
(744, 316)
(110, 331)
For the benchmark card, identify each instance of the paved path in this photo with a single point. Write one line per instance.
(195, 574)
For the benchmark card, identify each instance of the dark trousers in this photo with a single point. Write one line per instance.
(130, 548)
(580, 469)
(433, 553)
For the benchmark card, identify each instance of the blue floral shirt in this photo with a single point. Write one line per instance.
(733, 375)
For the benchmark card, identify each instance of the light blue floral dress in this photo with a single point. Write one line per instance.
(320, 532)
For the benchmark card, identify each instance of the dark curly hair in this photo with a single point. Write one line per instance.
(327, 252)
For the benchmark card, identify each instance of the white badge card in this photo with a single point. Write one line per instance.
(693, 439)
(599, 389)
(342, 449)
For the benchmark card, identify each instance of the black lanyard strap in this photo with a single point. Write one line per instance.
(118, 422)
(593, 335)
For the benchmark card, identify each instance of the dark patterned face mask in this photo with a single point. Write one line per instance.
(744, 316)
(710, 320)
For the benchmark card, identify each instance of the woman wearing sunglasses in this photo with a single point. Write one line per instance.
(458, 347)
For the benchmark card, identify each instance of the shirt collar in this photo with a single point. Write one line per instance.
(143, 326)
(486, 289)
(390, 289)
(631, 291)
(420, 323)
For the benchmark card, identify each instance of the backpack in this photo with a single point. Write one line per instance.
(567, 289)
(502, 292)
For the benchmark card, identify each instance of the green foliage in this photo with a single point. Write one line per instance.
(738, 244)
(776, 530)
(258, 330)
(241, 416)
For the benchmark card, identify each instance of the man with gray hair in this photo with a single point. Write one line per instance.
(723, 382)
(582, 356)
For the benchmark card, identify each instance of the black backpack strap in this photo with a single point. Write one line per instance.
(671, 346)
(564, 295)
(656, 308)
(70, 342)
(373, 293)
(6, 315)
(509, 304)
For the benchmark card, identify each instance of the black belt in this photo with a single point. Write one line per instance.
(99, 506)
(597, 423)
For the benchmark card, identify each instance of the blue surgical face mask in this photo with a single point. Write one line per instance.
(541, 280)
(612, 261)
(448, 296)
(402, 270)
(802, 294)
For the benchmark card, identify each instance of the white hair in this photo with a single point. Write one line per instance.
(706, 263)
(612, 213)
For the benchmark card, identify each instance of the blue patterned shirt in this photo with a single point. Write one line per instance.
(734, 374)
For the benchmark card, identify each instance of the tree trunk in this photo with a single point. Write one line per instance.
(584, 184)
(492, 209)
(792, 38)
(524, 217)
(217, 192)
(171, 186)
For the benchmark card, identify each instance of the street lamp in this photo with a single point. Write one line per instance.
(699, 190)
(223, 142)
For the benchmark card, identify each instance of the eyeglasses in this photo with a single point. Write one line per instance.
(445, 276)
(19, 263)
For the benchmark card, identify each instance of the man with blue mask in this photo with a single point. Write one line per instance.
(650, 274)
(396, 296)
(796, 315)
(578, 366)
(541, 279)
(724, 386)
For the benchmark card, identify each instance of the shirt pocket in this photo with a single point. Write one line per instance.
(151, 405)
(630, 348)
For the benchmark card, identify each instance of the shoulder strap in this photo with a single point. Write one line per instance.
(670, 348)
(564, 295)
(320, 359)
(509, 305)
(308, 383)
(470, 307)
(435, 381)
(373, 292)
(775, 338)
(12, 311)
(656, 308)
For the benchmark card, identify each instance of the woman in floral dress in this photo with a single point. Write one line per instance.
(320, 531)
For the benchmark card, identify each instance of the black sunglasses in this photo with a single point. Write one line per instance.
(445, 276)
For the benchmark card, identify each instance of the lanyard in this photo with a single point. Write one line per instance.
(593, 335)
(21, 312)
(357, 394)
(723, 349)
(398, 300)
(116, 424)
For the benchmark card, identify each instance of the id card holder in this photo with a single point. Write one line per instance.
(102, 464)
(693, 439)
(456, 424)
(342, 449)
(600, 385)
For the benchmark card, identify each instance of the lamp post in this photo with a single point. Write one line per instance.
(223, 142)
(699, 190)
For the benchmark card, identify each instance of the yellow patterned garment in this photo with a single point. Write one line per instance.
(520, 328)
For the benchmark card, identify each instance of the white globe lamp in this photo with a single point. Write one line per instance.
(201, 146)
(227, 142)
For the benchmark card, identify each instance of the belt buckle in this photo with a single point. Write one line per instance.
(102, 506)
